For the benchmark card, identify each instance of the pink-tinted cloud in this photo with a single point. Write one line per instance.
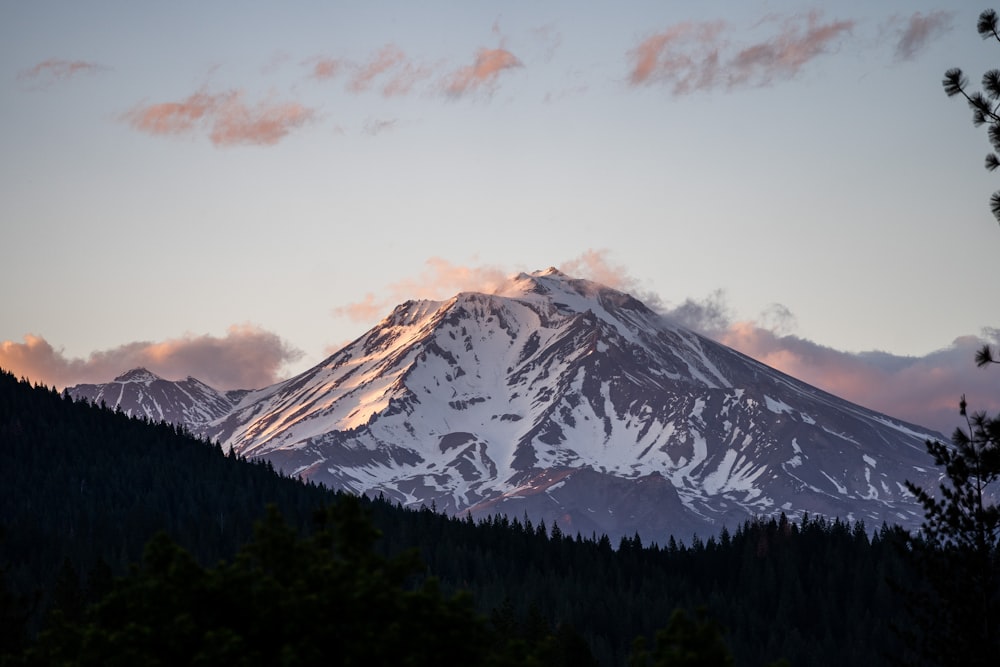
(53, 70)
(266, 123)
(225, 116)
(922, 390)
(247, 357)
(482, 75)
(685, 55)
(596, 266)
(919, 30)
(801, 39)
(387, 58)
(404, 77)
(369, 309)
(691, 56)
(175, 117)
(396, 73)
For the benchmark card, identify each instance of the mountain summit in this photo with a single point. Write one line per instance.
(569, 401)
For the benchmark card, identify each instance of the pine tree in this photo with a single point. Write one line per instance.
(985, 104)
(957, 604)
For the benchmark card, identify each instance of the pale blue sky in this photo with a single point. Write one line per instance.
(837, 180)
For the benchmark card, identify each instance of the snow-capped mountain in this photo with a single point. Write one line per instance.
(140, 393)
(569, 401)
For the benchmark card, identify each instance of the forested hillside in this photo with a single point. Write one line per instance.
(83, 489)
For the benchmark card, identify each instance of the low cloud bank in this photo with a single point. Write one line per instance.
(923, 390)
(247, 357)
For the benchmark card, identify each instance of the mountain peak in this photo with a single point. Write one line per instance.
(140, 375)
(553, 282)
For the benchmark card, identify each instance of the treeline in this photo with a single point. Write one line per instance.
(83, 490)
(817, 592)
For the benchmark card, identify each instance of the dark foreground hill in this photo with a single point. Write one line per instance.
(82, 489)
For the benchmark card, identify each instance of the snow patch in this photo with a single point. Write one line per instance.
(776, 406)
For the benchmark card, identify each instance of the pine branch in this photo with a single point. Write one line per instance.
(987, 25)
(984, 355)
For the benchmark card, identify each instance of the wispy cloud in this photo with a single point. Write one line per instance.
(916, 32)
(389, 70)
(387, 58)
(376, 126)
(326, 68)
(54, 70)
(549, 39)
(247, 357)
(694, 56)
(685, 55)
(225, 116)
(482, 75)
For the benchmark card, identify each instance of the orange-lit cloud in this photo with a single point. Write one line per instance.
(919, 30)
(440, 280)
(247, 357)
(690, 56)
(53, 70)
(482, 74)
(225, 116)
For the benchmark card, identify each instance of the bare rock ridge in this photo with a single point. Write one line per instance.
(564, 400)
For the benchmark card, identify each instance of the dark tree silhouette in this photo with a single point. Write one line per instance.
(985, 104)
